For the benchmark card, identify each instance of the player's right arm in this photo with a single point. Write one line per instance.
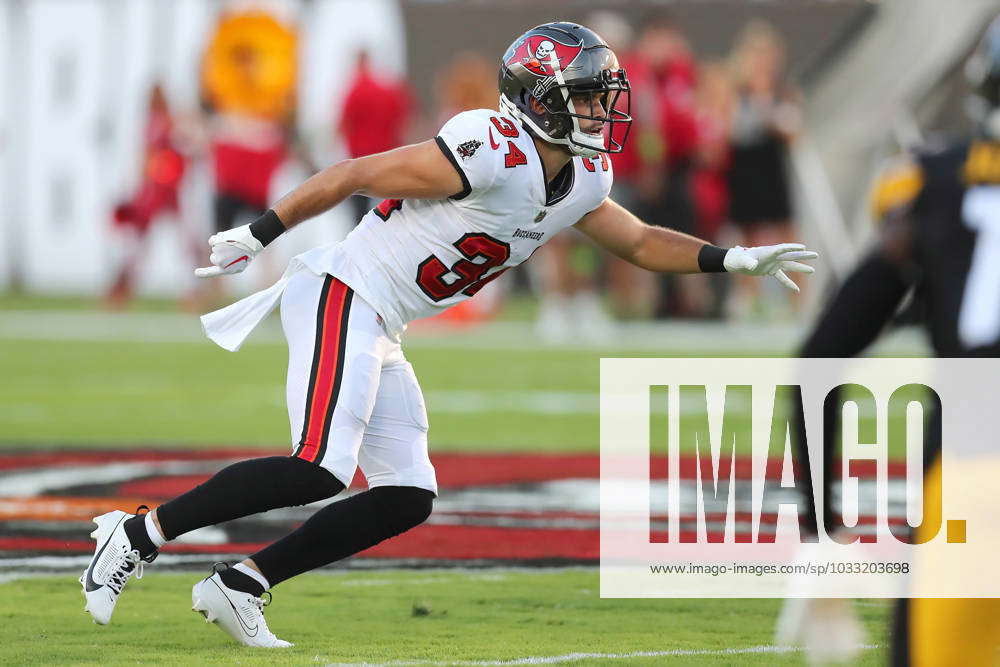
(420, 171)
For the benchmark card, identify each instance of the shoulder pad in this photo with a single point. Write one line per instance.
(897, 186)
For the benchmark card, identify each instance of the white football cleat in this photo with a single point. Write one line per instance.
(827, 628)
(114, 562)
(240, 614)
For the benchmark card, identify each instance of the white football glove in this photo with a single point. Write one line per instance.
(770, 260)
(232, 251)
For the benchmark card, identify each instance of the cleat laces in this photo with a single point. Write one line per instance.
(261, 602)
(131, 562)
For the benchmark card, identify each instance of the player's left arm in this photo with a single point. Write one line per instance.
(669, 251)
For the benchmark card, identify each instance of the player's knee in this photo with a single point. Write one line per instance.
(311, 482)
(283, 481)
(402, 507)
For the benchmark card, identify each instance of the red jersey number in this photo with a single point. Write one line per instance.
(481, 253)
(387, 206)
(588, 163)
(514, 156)
(505, 126)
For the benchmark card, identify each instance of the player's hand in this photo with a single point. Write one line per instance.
(770, 260)
(232, 251)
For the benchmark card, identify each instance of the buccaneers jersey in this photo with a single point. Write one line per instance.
(413, 258)
(953, 202)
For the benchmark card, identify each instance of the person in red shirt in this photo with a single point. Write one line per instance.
(249, 74)
(715, 100)
(162, 169)
(374, 118)
(653, 172)
(709, 185)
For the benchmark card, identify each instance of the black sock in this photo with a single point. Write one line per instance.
(246, 488)
(344, 528)
(135, 531)
(241, 582)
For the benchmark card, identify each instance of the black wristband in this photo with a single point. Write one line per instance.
(710, 259)
(267, 227)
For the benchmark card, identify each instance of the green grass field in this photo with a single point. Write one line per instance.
(93, 393)
(381, 616)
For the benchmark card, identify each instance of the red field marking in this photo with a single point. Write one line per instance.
(453, 470)
(486, 542)
(466, 539)
(59, 508)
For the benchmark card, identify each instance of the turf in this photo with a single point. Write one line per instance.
(126, 394)
(114, 394)
(383, 616)
(135, 394)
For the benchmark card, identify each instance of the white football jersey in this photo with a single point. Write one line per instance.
(414, 258)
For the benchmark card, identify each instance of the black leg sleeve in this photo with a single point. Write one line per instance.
(246, 488)
(860, 310)
(345, 528)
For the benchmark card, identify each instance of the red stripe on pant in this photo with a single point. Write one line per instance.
(327, 369)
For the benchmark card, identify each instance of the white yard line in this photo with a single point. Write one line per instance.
(572, 657)
(463, 401)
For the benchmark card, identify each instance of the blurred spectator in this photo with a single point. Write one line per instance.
(375, 116)
(714, 108)
(631, 289)
(714, 104)
(248, 86)
(654, 170)
(249, 76)
(766, 120)
(162, 169)
(467, 82)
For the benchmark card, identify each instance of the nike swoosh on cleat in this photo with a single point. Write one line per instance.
(246, 628)
(90, 585)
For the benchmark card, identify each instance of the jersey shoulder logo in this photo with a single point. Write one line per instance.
(468, 148)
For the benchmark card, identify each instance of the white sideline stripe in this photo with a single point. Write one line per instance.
(13, 569)
(35, 481)
(42, 564)
(704, 337)
(570, 657)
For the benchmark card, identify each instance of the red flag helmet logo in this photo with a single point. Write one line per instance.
(535, 54)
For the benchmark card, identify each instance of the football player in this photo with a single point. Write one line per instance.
(459, 210)
(939, 213)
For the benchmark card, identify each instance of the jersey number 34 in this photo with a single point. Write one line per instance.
(480, 253)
